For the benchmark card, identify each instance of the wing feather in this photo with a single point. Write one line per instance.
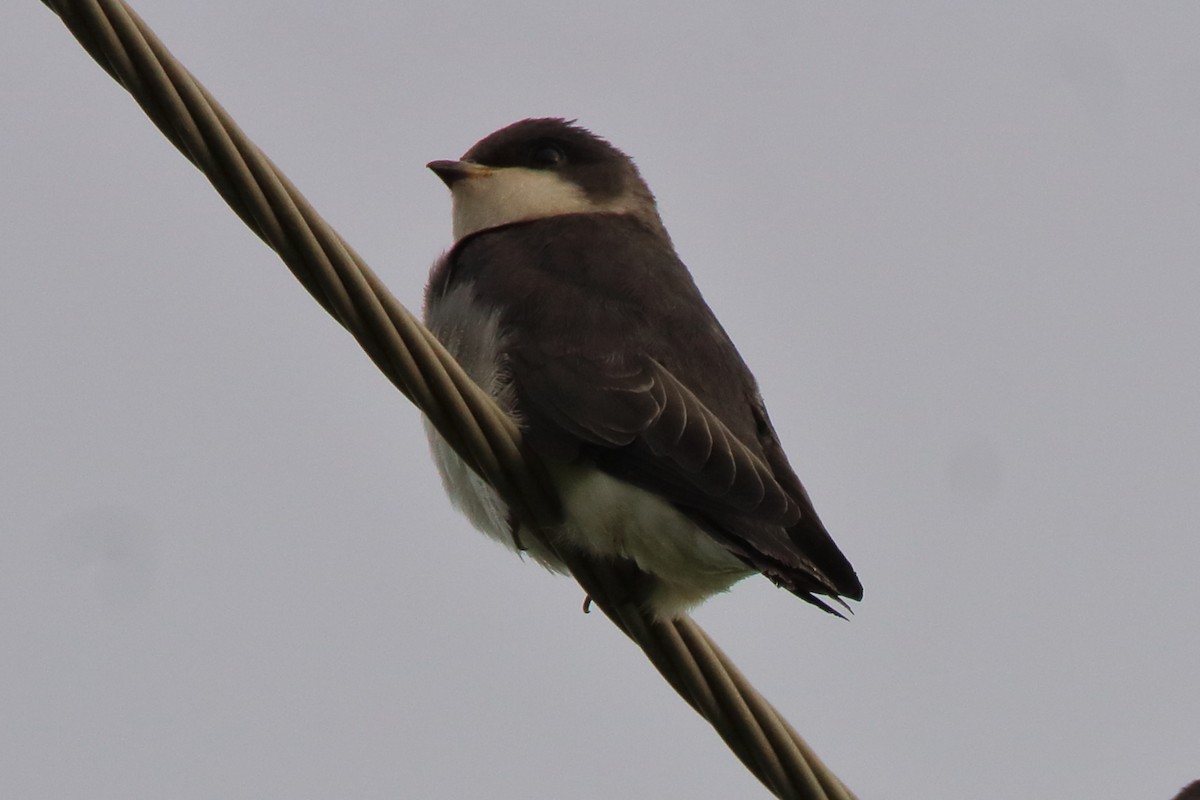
(631, 401)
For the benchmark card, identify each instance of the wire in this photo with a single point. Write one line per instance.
(486, 438)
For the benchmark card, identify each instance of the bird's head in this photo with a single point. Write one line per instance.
(541, 168)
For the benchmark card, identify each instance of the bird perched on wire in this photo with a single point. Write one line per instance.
(564, 299)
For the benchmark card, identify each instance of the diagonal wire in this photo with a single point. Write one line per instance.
(486, 438)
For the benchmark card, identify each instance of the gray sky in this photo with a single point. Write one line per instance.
(958, 245)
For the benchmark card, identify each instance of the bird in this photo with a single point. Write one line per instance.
(563, 297)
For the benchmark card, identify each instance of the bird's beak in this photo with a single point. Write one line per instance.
(451, 172)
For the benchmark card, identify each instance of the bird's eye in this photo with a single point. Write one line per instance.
(549, 156)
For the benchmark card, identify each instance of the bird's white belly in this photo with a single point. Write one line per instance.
(602, 514)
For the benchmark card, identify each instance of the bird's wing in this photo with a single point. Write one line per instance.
(638, 422)
(642, 423)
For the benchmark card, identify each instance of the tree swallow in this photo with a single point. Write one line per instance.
(564, 299)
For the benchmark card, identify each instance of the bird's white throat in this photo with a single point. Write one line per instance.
(499, 195)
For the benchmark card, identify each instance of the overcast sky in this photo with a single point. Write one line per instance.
(957, 244)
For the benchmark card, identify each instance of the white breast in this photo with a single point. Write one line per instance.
(472, 335)
(604, 515)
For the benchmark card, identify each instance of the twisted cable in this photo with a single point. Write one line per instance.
(483, 435)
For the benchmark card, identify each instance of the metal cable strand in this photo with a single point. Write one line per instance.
(428, 376)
